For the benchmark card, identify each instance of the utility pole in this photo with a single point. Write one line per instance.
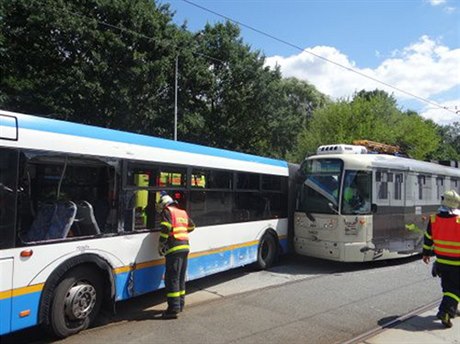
(175, 98)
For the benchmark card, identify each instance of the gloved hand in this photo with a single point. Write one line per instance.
(434, 270)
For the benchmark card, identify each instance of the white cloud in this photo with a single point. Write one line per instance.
(436, 2)
(446, 9)
(442, 116)
(425, 68)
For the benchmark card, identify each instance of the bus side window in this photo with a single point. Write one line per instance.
(66, 197)
(142, 192)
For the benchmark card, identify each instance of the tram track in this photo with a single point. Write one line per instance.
(390, 324)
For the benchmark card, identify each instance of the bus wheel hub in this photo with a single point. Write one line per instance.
(80, 301)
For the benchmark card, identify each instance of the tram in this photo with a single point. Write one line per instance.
(354, 206)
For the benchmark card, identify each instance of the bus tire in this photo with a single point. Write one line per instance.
(267, 252)
(76, 301)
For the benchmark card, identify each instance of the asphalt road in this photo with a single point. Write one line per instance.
(300, 300)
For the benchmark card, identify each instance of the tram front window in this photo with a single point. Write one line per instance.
(356, 196)
(321, 186)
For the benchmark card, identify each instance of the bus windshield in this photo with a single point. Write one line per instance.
(320, 186)
(356, 196)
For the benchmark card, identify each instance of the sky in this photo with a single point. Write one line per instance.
(409, 48)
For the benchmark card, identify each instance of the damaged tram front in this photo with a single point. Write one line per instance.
(353, 206)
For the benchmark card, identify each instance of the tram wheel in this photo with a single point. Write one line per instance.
(76, 302)
(267, 252)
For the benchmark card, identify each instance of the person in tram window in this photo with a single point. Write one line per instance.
(442, 239)
(174, 245)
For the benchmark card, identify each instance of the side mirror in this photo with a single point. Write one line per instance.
(374, 207)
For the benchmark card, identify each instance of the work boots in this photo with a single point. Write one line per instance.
(170, 314)
(445, 319)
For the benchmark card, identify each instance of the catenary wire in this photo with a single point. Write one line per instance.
(319, 56)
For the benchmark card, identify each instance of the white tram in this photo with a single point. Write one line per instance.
(354, 206)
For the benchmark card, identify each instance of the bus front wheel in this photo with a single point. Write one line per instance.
(267, 252)
(76, 302)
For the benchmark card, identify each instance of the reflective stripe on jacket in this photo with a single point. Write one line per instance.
(445, 235)
(175, 226)
(179, 219)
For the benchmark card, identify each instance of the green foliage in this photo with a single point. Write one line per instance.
(229, 99)
(371, 116)
(449, 148)
(112, 63)
(70, 60)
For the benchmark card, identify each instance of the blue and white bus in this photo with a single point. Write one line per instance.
(78, 226)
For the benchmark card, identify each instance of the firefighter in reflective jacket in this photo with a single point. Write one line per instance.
(442, 239)
(174, 245)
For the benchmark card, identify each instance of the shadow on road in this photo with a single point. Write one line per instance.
(417, 323)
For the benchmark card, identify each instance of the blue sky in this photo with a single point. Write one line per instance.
(413, 45)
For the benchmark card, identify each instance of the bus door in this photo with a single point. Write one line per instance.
(8, 190)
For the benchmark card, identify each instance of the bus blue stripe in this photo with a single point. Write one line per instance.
(142, 281)
(151, 278)
(68, 128)
(5, 316)
(25, 302)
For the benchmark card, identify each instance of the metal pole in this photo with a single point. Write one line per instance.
(175, 99)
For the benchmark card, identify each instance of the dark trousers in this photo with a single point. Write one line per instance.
(176, 268)
(450, 282)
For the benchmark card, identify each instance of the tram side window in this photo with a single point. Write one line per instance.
(398, 186)
(420, 181)
(65, 197)
(382, 184)
(439, 187)
(8, 190)
(424, 187)
(455, 185)
(142, 193)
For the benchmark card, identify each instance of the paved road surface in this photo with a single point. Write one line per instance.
(299, 301)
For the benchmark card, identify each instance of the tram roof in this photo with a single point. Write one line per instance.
(384, 161)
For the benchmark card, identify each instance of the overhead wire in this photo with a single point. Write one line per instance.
(135, 33)
(425, 100)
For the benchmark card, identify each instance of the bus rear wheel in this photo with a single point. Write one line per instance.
(267, 252)
(76, 302)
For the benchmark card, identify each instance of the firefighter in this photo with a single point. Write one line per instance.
(442, 238)
(174, 245)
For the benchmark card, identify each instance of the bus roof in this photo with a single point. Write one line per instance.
(42, 124)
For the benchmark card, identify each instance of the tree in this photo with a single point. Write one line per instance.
(296, 101)
(89, 61)
(227, 95)
(372, 116)
(449, 147)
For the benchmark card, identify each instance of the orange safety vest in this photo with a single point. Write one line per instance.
(445, 232)
(179, 223)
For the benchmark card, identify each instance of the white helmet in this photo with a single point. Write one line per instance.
(166, 200)
(450, 199)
